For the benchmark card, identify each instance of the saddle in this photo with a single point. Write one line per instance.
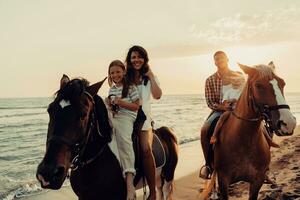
(157, 147)
(218, 126)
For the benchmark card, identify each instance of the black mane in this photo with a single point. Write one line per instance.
(102, 116)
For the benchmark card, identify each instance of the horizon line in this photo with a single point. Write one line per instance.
(168, 94)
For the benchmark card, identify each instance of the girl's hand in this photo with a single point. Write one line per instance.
(118, 101)
(108, 102)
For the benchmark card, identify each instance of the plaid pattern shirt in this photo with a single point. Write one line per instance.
(213, 94)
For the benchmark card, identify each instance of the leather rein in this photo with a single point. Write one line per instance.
(263, 112)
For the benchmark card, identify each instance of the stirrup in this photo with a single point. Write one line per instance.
(205, 172)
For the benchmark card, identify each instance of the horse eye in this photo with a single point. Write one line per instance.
(258, 86)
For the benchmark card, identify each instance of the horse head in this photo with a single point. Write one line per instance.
(71, 116)
(266, 93)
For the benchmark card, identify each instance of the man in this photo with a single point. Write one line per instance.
(214, 98)
(220, 98)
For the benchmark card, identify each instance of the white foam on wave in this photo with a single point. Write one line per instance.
(29, 189)
(26, 190)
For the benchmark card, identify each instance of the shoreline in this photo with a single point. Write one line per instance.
(187, 183)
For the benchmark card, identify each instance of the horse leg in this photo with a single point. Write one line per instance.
(159, 187)
(254, 189)
(164, 188)
(223, 186)
(171, 149)
(168, 174)
(167, 189)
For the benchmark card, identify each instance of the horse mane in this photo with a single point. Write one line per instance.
(102, 116)
(265, 71)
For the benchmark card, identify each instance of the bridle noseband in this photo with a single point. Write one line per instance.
(79, 147)
(263, 113)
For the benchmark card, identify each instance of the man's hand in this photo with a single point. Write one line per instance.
(227, 105)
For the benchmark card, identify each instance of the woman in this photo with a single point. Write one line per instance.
(140, 74)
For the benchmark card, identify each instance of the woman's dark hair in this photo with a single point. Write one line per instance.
(125, 81)
(130, 69)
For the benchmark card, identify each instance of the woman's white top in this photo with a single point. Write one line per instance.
(145, 101)
(229, 92)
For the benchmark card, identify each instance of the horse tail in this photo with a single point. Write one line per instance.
(170, 144)
(208, 188)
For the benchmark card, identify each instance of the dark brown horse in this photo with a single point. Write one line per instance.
(77, 139)
(241, 152)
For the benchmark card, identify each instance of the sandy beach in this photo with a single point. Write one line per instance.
(284, 169)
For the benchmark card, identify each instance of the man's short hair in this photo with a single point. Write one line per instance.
(220, 53)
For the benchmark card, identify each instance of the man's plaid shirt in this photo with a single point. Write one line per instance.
(213, 94)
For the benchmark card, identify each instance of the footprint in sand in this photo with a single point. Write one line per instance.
(289, 196)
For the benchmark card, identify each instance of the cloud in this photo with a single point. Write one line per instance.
(266, 27)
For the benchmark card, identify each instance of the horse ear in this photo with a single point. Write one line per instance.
(248, 70)
(271, 64)
(93, 89)
(64, 80)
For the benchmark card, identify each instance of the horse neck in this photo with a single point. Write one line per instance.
(101, 133)
(95, 144)
(245, 108)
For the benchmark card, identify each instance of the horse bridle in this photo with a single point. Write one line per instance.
(264, 112)
(79, 147)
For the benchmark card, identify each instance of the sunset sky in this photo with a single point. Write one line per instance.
(41, 40)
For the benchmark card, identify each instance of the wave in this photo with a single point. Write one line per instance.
(21, 108)
(37, 131)
(187, 140)
(8, 158)
(23, 114)
(24, 125)
(27, 190)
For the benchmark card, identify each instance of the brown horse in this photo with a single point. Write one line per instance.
(241, 152)
(77, 140)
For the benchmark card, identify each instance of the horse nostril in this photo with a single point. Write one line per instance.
(279, 122)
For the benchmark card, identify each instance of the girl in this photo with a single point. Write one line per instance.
(232, 86)
(124, 102)
(140, 74)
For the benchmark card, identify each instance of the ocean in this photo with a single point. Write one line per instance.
(23, 129)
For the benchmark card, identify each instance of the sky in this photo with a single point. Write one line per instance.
(42, 40)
